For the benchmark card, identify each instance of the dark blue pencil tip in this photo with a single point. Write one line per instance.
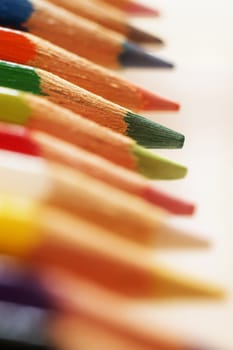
(13, 13)
(134, 56)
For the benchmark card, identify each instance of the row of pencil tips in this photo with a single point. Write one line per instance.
(80, 218)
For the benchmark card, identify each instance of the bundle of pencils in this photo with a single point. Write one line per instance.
(79, 215)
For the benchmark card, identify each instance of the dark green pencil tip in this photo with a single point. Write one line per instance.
(150, 134)
(20, 77)
(154, 167)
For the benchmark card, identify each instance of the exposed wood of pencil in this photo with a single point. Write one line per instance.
(76, 158)
(111, 261)
(37, 113)
(121, 213)
(107, 16)
(145, 131)
(105, 310)
(94, 78)
(80, 132)
(25, 48)
(76, 34)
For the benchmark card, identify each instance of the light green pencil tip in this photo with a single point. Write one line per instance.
(154, 167)
(152, 135)
(13, 107)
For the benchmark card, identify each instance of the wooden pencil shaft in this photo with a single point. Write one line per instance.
(25, 48)
(132, 7)
(70, 127)
(102, 308)
(75, 33)
(120, 266)
(90, 164)
(103, 170)
(105, 15)
(95, 254)
(89, 105)
(123, 214)
(108, 17)
(88, 75)
(80, 101)
(40, 114)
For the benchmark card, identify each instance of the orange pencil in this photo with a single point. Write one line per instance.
(30, 50)
(109, 17)
(93, 107)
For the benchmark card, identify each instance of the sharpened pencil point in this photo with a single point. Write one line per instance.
(150, 134)
(155, 167)
(140, 36)
(173, 285)
(172, 204)
(153, 102)
(174, 233)
(139, 9)
(134, 56)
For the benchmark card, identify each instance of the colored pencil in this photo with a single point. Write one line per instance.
(44, 235)
(23, 328)
(108, 17)
(146, 132)
(112, 209)
(88, 302)
(133, 7)
(21, 287)
(76, 34)
(19, 139)
(39, 114)
(27, 49)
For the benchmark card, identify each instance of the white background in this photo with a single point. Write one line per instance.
(200, 41)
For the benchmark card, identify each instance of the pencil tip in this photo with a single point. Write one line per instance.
(173, 285)
(139, 9)
(153, 102)
(154, 167)
(180, 234)
(172, 204)
(140, 36)
(150, 134)
(134, 56)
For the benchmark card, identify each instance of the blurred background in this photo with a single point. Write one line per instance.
(199, 41)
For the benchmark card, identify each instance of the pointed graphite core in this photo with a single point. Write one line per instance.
(174, 205)
(140, 36)
(134, 56)
(139, 9)
(152, 102)
(153, 166)
(150, 134)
